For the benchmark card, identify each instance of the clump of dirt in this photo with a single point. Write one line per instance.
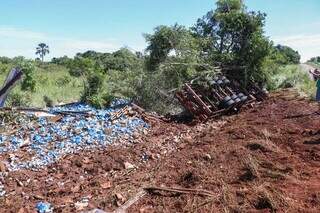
(263, 159)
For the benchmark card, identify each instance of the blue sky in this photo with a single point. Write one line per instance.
(71, 26)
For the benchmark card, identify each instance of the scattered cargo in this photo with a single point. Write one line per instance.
(46, 139)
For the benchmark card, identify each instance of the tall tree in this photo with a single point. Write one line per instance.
(170, 41)
(42, 50)
(233, 36)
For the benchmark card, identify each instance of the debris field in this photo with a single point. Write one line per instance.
(264, 159)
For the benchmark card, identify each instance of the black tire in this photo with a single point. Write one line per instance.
(237, 100)
(240, 95)
(229, 103)
(226, 99)
(226, 81)
(219, 82)
(223, 78)
(216, 78)
(244, 98)
(234, 97)
(265, 91)
(226, 103)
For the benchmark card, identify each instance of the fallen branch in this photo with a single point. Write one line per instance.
(142, 193)
(180, 190)
(124, 207)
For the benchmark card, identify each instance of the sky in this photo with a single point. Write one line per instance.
(71, 26)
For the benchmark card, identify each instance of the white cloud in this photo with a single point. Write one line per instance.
(9, 32)
(307, 45)
(20, 42)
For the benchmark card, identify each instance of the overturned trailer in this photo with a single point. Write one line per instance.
(216, 96)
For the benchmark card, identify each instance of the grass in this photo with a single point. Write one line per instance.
(292, 76)
(54, 82)
(251, 169)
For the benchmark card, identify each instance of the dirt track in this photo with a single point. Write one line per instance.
(260, 160)
(307, 68)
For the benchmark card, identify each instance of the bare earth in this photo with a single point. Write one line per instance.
(264, 159)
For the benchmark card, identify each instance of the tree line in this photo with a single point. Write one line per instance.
(230, 37)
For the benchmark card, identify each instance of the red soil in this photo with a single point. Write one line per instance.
(260, 160)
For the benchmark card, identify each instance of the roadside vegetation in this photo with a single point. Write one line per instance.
(292, 76)
(229, 37)
(315, 62)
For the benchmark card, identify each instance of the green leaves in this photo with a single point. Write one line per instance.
(234, 39)
(169, 42)
(28, 69)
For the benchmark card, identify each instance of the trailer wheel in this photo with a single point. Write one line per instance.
(226, 81)
(244, 98)
(226, 103)
(240, 95)
(229, 103)
(226, 99)
(219, 82)
(234, 97)
(237, 100)
(265, 91)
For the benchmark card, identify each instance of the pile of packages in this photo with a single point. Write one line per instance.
(31, 142)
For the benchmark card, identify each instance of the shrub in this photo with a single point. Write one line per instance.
(95, 92)
(63, 80)
(28, 82)
(291, 76)
(17, 99)
(48, 101)
(81, 66)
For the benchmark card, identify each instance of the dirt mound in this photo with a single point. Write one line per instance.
(264, 159)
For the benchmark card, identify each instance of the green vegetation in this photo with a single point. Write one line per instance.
(292, 76)
(52, 81)
(315, 62)
(229, 37)
(286, 55)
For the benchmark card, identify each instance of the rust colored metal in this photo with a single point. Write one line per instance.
(203, 105)
(216, 97)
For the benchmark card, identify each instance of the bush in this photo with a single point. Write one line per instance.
(63, 80)
(4, 68)
(95, 92)
(100, 100)
(291, 76)
(48, 101)
(81, 66)
(28, 82)
(18, 99)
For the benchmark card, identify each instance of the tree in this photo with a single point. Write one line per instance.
(42, 50)
(170, 42)
(290, 55)
(315, 60)
(233, 37)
